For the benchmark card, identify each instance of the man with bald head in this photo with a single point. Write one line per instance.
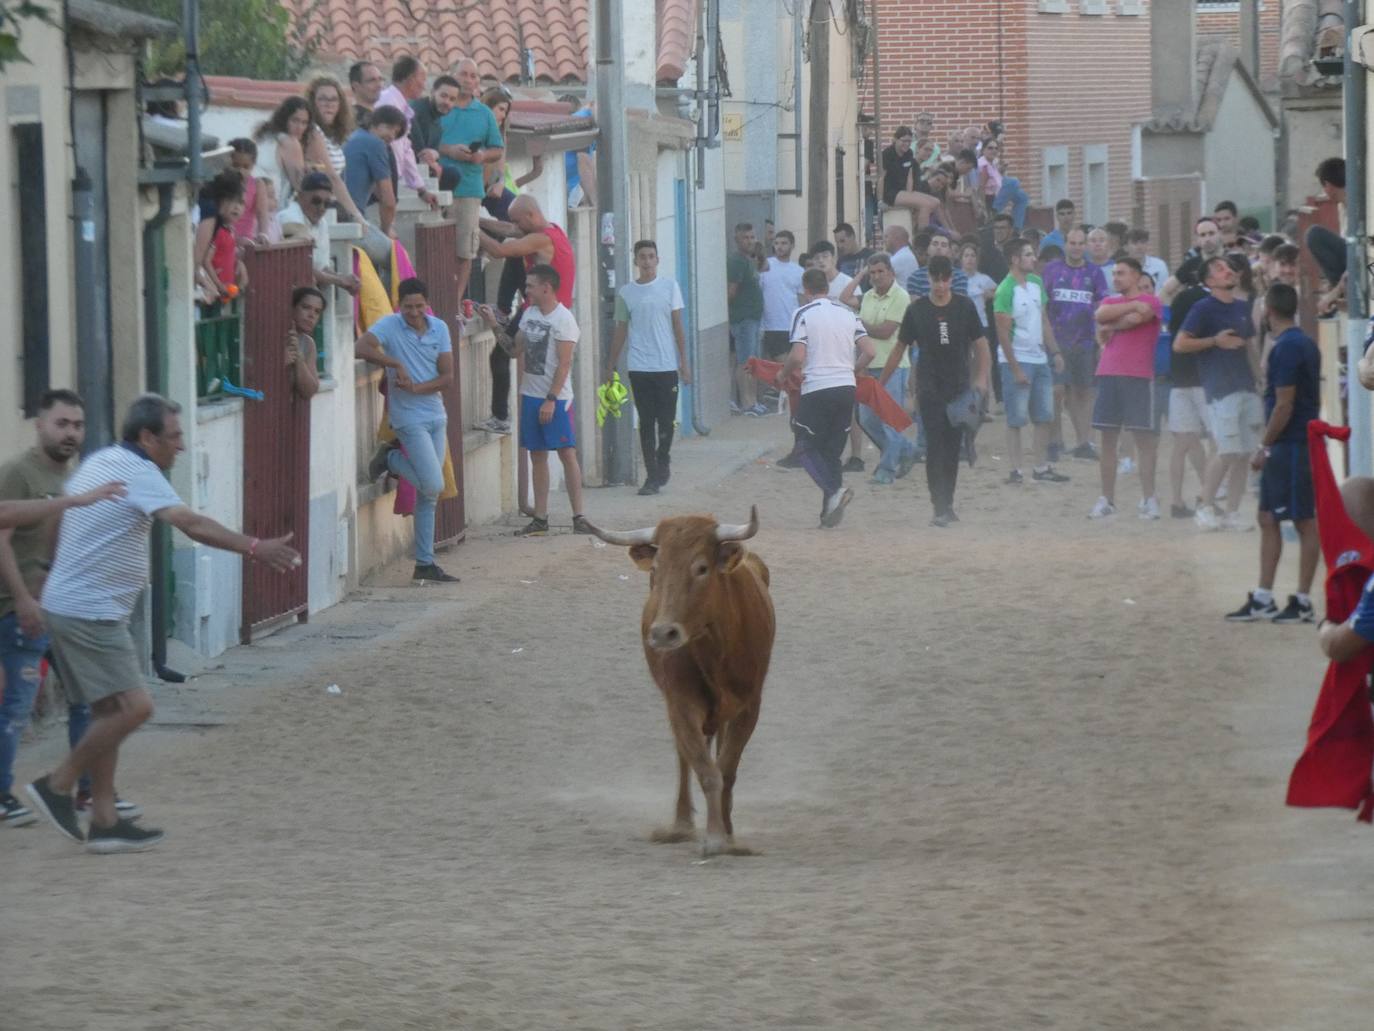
(469, 140)
(897, 243)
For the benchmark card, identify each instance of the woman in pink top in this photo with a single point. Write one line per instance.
(255, 222)
(1001, 191)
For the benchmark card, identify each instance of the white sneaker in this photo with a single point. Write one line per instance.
(1236, 523)
(1125, 467)
(1221, 491)
(495, 425)
(1206, 518)
(835, 506)
(1102, 509)
(1148, 508)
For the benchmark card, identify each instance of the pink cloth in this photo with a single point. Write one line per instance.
(1131, 352)
(246, 228)
(993, 181)
(406, 166)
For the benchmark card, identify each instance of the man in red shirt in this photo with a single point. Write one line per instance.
(1125, 385)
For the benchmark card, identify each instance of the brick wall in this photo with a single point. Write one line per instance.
(1088, 83)
(1227, 23)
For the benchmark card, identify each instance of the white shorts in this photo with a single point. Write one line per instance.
(1188, 410)
(1237, 422)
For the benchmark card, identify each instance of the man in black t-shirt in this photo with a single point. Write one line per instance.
(1187, 401)
(948, 336)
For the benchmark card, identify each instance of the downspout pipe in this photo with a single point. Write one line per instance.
(1356, 217)
(195, 87)
(156, 381)
(694, 341)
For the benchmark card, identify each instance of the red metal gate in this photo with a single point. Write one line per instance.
(276, 438)
(436, 260)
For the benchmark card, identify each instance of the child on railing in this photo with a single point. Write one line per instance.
(220, 275)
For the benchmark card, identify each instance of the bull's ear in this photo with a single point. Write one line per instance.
(729, 555)
(642, 555)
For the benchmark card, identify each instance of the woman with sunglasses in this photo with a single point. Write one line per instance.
(300, 150)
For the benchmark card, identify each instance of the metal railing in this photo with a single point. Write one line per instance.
(219, 352)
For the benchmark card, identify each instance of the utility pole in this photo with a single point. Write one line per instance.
(818, 128)
(613, 229)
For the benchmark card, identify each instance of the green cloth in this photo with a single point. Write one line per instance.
(29, 478)
(748, 300)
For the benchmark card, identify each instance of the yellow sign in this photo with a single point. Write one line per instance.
(732, 127)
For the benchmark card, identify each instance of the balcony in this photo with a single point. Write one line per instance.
(219, 352)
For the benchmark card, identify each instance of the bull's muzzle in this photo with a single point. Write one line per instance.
(666, 637)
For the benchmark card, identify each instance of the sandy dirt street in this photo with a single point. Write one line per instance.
(1016, 774)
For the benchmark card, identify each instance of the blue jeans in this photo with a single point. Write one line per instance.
(422, 466)
(747, 338)
(1011, 193)
(20, 657)
(894, 445)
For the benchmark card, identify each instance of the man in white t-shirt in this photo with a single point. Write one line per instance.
(305, 217)
(836, 282)
(1138, 247)
(781, 285)
(829, 346)
(897, 242)
(98, 572)
(546, 338)
(648, 313)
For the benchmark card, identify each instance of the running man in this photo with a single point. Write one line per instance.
(648, 313)
(1292, 399)
(1125, 385)
(100, 568)
(951, 347)
(829, 348)
(418, 359)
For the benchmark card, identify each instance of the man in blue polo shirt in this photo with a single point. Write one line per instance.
(1292, 399)
(469, 140)
(1222, 334)
(415, 349)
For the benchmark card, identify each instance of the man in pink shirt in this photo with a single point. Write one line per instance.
(407, 84)
(1129, 322)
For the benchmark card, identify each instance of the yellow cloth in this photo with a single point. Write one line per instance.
(373, 303)
(890, 308)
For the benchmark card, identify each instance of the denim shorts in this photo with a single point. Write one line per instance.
(1033, 402)
(748, 339)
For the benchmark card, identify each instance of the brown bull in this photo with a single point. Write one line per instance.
(708, 635)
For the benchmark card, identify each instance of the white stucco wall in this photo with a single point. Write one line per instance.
(1240, 154)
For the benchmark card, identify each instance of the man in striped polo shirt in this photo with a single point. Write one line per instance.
(100, 567)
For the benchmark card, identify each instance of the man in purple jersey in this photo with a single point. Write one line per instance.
(1076, 287)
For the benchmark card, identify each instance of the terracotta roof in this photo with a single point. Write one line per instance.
(1311, 29)
(1217, 60)
(495, 33)
(527, 115)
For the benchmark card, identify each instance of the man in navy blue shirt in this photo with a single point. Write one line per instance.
(370, 168)
(1292, 399)
(1222, 334)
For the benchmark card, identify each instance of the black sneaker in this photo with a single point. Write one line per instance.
(1048, 475)
(650, 487)
(1015, 477)
(124, 810)
(792, 461)
(665, 472)
(854, 465)
(376, 465)
(431, 574)
(1295, 612)
(14, 813)
(56, 808)
(536, 527)
(1253, 611)
(580, 525)
(1085, 450)
(1181, 512)
(905, 464)
(122, 836)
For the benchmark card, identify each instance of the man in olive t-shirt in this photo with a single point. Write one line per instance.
(746, 312)
(25, 553)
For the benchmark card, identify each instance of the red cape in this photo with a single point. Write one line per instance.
(866, 392)
(1335, 767)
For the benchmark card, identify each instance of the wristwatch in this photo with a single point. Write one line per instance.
(551, 397)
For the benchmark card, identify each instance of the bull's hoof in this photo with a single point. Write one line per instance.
(673, 835)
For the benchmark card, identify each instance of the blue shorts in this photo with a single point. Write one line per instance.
(1032, 403)
(1286, 483)
(535, 436)
(748, 339)
(1125, 403)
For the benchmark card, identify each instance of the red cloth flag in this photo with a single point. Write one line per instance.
(867, 392)
(1335, 767)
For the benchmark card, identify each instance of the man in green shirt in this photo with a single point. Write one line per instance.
(746, 312)
(881, 312)
(25, 552)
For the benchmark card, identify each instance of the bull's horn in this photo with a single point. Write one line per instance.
(737, 532)
(624, 539)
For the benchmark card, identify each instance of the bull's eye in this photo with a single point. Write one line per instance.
(701, 568)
